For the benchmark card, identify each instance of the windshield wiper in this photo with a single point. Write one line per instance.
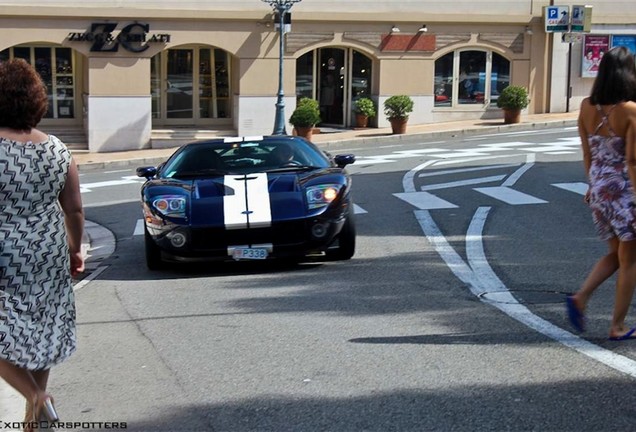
(294, 168)
(199, 173)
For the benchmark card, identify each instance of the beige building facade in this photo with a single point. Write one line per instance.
(129, 74)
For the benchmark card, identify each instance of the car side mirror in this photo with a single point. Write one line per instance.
(344, 160)
(147, 172)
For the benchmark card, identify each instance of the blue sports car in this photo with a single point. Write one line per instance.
(248, 198)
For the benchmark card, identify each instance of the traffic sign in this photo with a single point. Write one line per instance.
(557, 18)
(572, 37)
(581, 18)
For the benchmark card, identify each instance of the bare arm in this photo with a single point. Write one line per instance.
(71, 202)
(585, 146)
(630, 141)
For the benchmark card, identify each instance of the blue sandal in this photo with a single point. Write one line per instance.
(577, 319)
(628, 335)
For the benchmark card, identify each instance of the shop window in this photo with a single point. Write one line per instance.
(55, 66)
(470, 77)
(196, 84)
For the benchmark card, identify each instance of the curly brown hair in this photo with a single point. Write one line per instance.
(23, 98)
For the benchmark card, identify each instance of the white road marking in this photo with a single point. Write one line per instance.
(358, 210)
(464, 170)
(576, 187)
(81, 284)
(474, 159)
(88, 187)
(460, 183)
(521, 171)
(139, 227)
(477, 274)
(509, 196)
(489, 282)
(424, 200)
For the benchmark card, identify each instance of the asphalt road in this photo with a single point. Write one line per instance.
(450, 316)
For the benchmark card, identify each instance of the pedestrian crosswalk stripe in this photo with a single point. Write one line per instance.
(577, 187)
(358, 210)
(460, 183)
(424, 200)
(139, 227)
(510, 196)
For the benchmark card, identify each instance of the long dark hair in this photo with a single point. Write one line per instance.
(616, 79)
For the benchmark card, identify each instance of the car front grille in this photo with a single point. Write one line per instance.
(286, 233)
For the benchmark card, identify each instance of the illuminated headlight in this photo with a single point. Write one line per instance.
(322, 195)
(170, 205)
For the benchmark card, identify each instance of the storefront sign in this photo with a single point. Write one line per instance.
(134, 37)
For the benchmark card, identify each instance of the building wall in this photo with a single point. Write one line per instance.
(115, 102)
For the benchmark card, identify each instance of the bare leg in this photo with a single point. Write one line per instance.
(624, 287)
(41, 378)
(20, 379)
(602, 270)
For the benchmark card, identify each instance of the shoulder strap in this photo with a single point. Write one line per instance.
(604, 120)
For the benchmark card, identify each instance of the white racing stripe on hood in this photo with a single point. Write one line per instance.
(249, 206)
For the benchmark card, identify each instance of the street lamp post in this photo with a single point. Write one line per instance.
(282, 7)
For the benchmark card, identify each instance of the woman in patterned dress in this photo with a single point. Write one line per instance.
(41, 226)
(607, 126)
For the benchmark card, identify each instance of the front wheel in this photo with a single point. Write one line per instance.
(153, 253)
(346, 242)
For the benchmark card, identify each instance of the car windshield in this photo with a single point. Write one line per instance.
(222, 157)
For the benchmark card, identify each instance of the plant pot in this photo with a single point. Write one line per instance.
(361, 120)
(304, 131)
(398, 125)
(512, 116)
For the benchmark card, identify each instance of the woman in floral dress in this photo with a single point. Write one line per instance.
(607, 126)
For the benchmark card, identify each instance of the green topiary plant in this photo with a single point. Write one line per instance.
(398, 107)
(513, 98)
(306, 114)
(364, 106)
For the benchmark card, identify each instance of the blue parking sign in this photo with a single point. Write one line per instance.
(557, 18)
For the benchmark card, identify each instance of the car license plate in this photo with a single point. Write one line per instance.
(249, 253)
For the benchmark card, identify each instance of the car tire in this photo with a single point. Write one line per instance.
(153, 253)
(346, 242)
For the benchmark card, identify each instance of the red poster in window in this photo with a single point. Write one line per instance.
(594, 46)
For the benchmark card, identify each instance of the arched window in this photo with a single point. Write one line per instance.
(470, 77)
(56, 68)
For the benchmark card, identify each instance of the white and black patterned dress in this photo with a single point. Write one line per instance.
(37, 307)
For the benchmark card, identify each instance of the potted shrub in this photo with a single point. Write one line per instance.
(305, 117)
(512, 100)
(364, 109)
(397, 109)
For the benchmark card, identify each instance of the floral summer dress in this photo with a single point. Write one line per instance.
(612, 197)
(37, 308)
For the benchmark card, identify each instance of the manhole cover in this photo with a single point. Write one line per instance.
(524, 296)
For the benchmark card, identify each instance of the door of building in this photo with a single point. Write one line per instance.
(336, 78)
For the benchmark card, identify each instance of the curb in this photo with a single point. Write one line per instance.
(371, 140)
(98, 244)
(411, 138)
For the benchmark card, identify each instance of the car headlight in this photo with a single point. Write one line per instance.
(170, 205)
(322, 195)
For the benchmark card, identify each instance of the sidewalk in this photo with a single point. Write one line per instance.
(342, 139)
(99, 243)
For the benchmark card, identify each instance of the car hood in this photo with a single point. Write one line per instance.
(244, 200)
